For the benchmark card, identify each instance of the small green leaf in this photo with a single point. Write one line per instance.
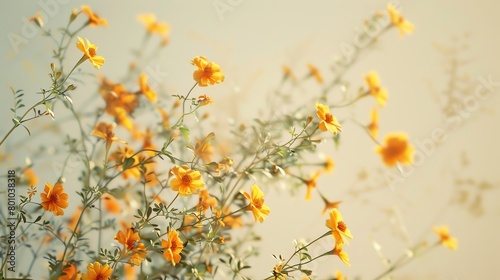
(128, 163)
(185, 133)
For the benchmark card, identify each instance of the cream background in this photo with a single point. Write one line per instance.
(251, 43)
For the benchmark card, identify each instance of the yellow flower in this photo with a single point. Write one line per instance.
(97, 271)
(311, 184)
(373, 126)
(122, 118)
(277, 272)
(339, 275)
(104, 130)
(329, 165)
(338, 251)
(186, 180)
(146, 89)
(397, 149)
(172, 247)
(230, 220)
(89, 52)
(94, 19)
(338, 227)
(328, 121)
(153, 26)
(379, 93)
(54, 199)
(287, 73)
(205, 201)
(259, 209)
(445, 238)
(208, 73)
(314, 72)
(399, 21)
(70, 273)
(204, 149)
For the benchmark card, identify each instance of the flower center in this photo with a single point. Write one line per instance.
(208, 70)
(328, 118)
(92, 52)
(186, 179)
(100, 277)
(131, 244)
(342, 226)
(54, 198)
(258, 203)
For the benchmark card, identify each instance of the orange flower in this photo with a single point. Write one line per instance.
(328, 121)
(111, 203)
(31, 178)
(117, 96)
(70, 273)
(314, 72)
(259, 209)
(97, 271)
(208, 73)
(152, 25)
(445, 238)
(374, 88)
(338, 227)
(74, 218)
(128, 238)
(145, 89)
(54, 199)
(140, 253)
(172, 247)
(205, 201)
(129, 271)
(397, 149)
(104, 130)
(399, 21)
(205, 100)
(311, 184)
(373, 126)
(94, 19)
(37, 19)
(130, 241)
(186, 180)
(89, 52)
